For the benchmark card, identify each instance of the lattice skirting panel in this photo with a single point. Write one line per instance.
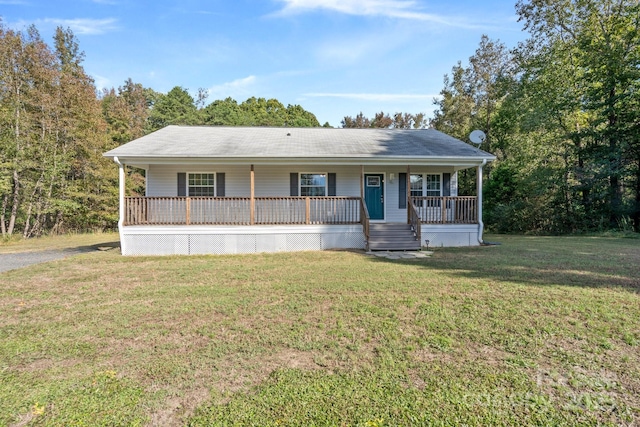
(192, 244)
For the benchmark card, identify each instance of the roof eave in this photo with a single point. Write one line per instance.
(346, 160)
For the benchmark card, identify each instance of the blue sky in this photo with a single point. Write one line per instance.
(333, 57)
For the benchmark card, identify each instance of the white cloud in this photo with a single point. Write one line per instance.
(102, 82)
(402, 9)
(235, 88)
(85, 26)
(384, 97)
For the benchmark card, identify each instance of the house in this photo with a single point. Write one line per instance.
(217, 190)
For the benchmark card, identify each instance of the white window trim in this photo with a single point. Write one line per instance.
(423, 176)
(326, 182)
(215, 182)
(424, 183)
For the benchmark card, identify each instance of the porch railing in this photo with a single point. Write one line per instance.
(286, 210)
(238, 210)
(447, 210)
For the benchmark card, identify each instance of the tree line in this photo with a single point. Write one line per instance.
(383, 120)
(562, 114)
(54, 127)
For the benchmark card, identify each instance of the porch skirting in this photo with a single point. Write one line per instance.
(450, 235)
(200, 240)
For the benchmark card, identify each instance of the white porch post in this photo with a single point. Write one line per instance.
(121, 193)
(479, 191)
(362, 182)
(408, 195)
(252, 202)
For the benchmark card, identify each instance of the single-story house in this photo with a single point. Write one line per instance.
(219, 190)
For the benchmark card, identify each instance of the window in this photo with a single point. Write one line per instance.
(201, 184)
(373, 181)
(433, 185)
(416, 185)
(313, 184)
(429, 185)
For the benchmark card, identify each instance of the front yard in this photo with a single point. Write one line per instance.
(536, 331)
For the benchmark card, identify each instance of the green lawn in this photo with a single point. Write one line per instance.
(536, 331)
(68, 241)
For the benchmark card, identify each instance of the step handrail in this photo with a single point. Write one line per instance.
(414, 220)
(365, 219)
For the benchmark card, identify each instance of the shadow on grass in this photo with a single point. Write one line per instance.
(104, 246)
(553, 261)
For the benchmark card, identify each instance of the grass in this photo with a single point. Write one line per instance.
(537, 331)
(68, 241)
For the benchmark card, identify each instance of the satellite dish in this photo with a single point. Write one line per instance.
(477, 137)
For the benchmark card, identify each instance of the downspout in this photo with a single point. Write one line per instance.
(121, 192)
(479, 191)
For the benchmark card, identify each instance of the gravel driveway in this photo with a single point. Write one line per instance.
(12, 261)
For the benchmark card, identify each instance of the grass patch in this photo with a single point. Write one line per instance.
(537, 331)
(67, 241)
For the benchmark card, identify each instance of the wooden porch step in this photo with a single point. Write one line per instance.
(392, 237)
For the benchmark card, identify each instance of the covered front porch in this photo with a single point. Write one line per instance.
(224, 225)
(229, 223)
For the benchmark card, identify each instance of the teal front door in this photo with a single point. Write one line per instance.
(374, 195)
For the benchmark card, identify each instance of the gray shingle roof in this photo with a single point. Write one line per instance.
(282, 143)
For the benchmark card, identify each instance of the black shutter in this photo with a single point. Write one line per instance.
(446, 184)
(182, 184)
(293, 183)
(332, 184)
(402, 191)
(220, 184)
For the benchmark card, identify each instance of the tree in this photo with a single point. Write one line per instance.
(600, 39)
(382, 120)
(471, 97)
(27, 73)
(257, 112)
(83, 201)
(360, 122)
(472, 94)
(225, 112)
(177, 107)
(126, 110)
(52, 138)
(299, 117)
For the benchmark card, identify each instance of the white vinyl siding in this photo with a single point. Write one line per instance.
(274, 181)
(162, 180)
